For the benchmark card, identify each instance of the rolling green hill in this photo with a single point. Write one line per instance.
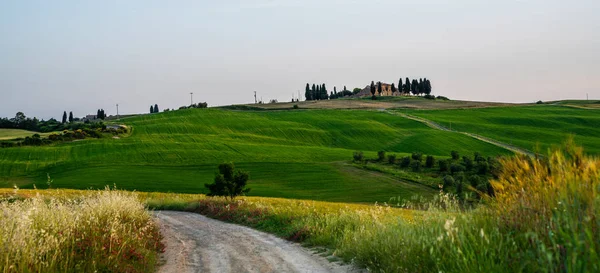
(7, 134)
(294, 154)
(527, 126)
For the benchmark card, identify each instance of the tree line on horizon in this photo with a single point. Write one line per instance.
(20, 121)
(422, 86)
(416, 87)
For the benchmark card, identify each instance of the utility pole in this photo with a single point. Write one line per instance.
(255, 102)
(117, 111)
(191, 98)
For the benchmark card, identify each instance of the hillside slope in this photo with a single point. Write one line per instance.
(294, 154)
(526, 127)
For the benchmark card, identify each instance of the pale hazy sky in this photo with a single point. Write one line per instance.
(84, 55)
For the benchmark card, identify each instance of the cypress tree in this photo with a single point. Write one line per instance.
(151, 109)
(314, 92)
(345, 88)
(307, 94)
(413, 87)
(98, 114)
(393, 89)
(156, 108)
(373, 89)
(70, 117)
(407, 86)
(428, 86)
(379, 90)
(64, 119)
(400, 85)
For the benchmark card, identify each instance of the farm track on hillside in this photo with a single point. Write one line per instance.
(196, 243)
(437, 126)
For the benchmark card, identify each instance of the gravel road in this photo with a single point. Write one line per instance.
(196, 243)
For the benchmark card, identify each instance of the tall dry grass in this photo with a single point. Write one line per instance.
(103, 231)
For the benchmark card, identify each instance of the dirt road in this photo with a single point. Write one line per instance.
(199, 244)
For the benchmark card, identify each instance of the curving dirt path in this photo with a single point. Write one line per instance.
(196, 243)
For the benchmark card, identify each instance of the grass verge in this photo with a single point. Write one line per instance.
(101, 231)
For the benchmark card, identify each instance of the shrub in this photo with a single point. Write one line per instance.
(358, 156)
(295, 106)
(456, 168)
(442, 98)
(477, 157)
(415, 165)
(443, 165)
(455, 155)
(417, 156)
(429, 97)
(539, 102)
(474, 180)
(228, 183)
(405, 162)
(429, 161)
(468, 163)
(482, 167)
(392, 159)
(448, 181)
(380, 155)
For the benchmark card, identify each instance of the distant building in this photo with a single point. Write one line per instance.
(385, 88)
(90, 117)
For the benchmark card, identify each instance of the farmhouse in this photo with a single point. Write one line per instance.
(386, 91)
(90, 117)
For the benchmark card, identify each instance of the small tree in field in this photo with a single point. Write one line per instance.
(380, 155)
(391, 159)
(358, 156)
(228, 183)
(429, 161)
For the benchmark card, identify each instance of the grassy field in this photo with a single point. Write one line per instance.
(525, 127)
(8, 134)
(299, 154)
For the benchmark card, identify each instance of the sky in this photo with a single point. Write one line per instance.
(83, 55)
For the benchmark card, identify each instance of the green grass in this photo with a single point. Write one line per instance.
(525, 127)
(8, 134)
(292, 154)
(543, 219)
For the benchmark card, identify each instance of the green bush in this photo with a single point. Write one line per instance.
(358, 156)
(392, 159)
(455, 155)
(417, 156)
(448, 181)
(380, 155)
(415, 165)
(228, 182)
(443, 165)
(429, 161)
(456, 168)
(405, 162)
